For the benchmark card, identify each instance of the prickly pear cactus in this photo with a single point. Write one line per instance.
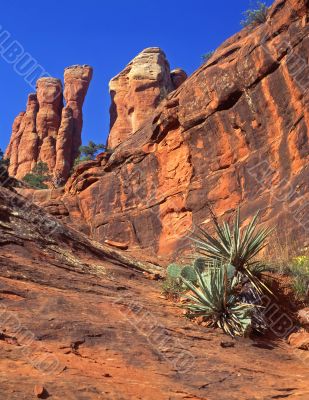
(199, 264)
(173, 271)
(188, 273)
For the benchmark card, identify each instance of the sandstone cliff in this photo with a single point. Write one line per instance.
(78, 316)
(48, 131)
(78, 320)
(138, 90)
(233, 134)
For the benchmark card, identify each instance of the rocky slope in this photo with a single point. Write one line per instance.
(233, 134)
(78, 322)
(49, 131)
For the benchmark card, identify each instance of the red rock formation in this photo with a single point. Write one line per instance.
(49, 95)
(48, 132)
(233, 134)
(76, 83)
(22, 150)
(178, 77)
(80, 321)
(64, 145)
(138, 90)
(299, 340)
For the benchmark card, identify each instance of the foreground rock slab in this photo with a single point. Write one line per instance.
(80, 320)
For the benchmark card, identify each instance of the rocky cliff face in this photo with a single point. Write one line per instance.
(78, 322)
(233, 134)
(48, 131)
(138, 90)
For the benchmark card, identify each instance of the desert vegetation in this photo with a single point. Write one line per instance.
(207, 56)
(225, 285)
(4, 162)
(255, 16)
(38, 177)
(89, 152)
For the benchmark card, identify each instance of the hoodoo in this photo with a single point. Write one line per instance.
(49, 131)
(138, 90)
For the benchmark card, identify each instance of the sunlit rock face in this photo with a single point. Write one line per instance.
(48, 131)
(234, 134)
(138, 90)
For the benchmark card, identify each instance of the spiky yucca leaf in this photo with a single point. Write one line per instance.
(213, 298)
(234, 246)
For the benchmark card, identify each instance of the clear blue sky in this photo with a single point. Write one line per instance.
(107, 35)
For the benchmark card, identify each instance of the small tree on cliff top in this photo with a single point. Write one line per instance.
(38, 177)
(89, 152)
(207, 56)
(255, 16)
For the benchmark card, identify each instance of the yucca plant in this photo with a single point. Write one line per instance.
(235, 247)
(213, 298)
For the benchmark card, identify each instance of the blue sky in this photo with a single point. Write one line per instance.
(107, 35)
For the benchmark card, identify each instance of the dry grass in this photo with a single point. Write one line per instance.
(290, 259)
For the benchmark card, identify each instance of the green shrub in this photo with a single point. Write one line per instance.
(301, 286)
(173, 271)
(301, 262)
(295, 267)
(5, 180)
(188, 273)
(207, 56)
(89, 152)
(4, 162)
(283, 259)
(255, 16)
(299, 270)
(173, 284)
(38, 177)
(172, 288)
(200, 264)
(228, 286)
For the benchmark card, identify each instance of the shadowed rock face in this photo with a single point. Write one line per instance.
(138, 90)
(233, 134)
(46, 131)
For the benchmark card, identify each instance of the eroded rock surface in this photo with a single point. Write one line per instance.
(138, 90)
(47, 131)
(79, 320)
(233, 134)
